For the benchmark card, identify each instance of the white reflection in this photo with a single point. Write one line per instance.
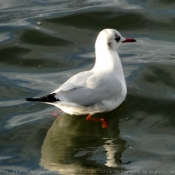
(4, 37)
(5, 157)
(11, 103)
(17, 119)
(110, 148)
(73, 144)
(123, 4)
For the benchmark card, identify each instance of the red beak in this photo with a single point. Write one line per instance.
(127, 40)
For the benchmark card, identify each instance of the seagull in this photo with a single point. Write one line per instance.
(101, 89)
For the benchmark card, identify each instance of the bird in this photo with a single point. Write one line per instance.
(101, 89)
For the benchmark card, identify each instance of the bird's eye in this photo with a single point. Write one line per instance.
(117, 38)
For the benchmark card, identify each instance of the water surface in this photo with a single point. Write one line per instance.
(42, 44)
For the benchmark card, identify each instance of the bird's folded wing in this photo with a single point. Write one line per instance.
(87, 89)
(77, 81)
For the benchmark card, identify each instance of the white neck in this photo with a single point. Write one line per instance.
(108, 60)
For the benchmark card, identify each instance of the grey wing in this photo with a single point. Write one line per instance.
(94, 91)
(77, 81)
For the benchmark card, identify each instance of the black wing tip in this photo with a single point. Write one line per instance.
(28, 99)
(32, 99)
(48, 98)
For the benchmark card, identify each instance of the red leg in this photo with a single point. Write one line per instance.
(56, 114)
(102, 120)
(89, 117)
(104, 123)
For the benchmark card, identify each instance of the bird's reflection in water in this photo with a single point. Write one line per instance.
(73, 145)
(111, 150)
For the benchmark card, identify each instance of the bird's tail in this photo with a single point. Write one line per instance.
(48, 98)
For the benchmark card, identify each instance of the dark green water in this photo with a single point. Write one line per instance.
(42, 44)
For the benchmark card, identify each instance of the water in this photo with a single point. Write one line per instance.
(42, 44)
